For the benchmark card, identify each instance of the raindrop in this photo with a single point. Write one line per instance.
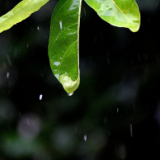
(70, 94)
(60, 23)
(9, 60)
(38, 28)
(7, 75)
(29, 126)
(27, 45)
(85, 137)
(84, 12)
(131, 131)
(57, 75)
(117, 110)
(40, 97)
(56, 63)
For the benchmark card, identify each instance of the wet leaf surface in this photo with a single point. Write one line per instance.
(118, 13)
(64, 43)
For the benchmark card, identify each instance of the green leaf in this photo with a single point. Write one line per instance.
(121, 13)
(20, 12)
(64, 43)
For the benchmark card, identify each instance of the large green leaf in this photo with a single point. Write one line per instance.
(20, 12)
(64, 43)
(121, 13)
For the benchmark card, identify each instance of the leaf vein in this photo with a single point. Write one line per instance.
(61, 33)
(121, 11)
(65, 54)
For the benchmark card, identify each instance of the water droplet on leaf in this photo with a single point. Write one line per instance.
(60, 23)
(70, 94)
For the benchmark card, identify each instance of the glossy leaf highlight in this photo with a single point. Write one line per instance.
(64, 43)
(121, 13)
(20, 12)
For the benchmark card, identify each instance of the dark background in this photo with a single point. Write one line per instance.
(115, 112)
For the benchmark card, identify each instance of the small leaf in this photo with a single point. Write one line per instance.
(121, 13)
(64, 43)
(20, 12)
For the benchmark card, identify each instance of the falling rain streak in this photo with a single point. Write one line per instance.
(7, 75)
(40, 97)
(131, 130)
(85, 137)
(84, 12)
(9, 60)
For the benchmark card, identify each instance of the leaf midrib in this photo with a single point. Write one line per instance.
(121, 11)
(65, 55)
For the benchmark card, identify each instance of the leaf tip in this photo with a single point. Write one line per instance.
(69, 85)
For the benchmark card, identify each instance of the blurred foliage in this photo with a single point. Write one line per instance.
(115, 113)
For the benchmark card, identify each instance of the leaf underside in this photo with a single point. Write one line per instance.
(120, 13)
(20, 12)
(63, 46)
